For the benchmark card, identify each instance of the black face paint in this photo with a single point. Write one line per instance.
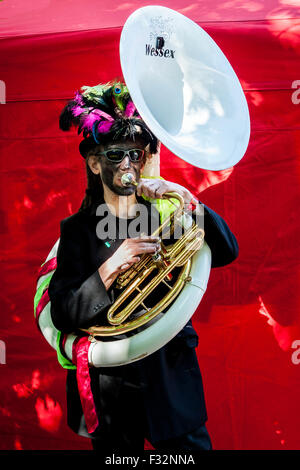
(110, 170)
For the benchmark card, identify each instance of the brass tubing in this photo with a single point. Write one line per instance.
(179, 244)
(133, 272)
(121, 316)
(147, 316)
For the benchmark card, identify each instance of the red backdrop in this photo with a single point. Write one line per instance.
(249, 318)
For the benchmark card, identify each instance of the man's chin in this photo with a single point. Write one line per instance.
(123, 190)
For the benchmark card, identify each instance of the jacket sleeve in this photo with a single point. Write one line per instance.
(78, 296)
(220, 239)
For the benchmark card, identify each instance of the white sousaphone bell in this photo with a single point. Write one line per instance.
(190, 97)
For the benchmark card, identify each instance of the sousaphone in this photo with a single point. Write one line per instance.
(188, 94)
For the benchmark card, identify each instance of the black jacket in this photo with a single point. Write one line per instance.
(166, 386)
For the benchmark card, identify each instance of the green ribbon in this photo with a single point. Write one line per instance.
(63, 361)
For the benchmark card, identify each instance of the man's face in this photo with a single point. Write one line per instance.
(111, 173)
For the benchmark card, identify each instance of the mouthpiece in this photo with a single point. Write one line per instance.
(128, 180)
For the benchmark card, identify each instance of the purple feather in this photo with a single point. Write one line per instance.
(78, 98)
(130, 108)
(103, 114)
(95, 115)
(89, 120)
(104, 126)
(77, 110)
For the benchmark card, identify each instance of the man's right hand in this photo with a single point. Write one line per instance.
(125, 256)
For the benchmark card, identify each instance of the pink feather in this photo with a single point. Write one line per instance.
(78, 98)
(95, 115)
(89, 120)
(104, 126)
(106, 116)
(77, 110)
(130, 108)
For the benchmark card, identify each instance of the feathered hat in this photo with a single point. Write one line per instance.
(103, 113)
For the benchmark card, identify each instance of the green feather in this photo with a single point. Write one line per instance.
(95, 93)
(120, 93)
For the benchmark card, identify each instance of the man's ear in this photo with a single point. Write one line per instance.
(94, 164)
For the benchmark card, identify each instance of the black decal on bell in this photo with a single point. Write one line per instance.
(160, 42)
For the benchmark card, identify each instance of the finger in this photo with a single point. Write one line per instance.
(151, 189)
(146, 239)
(130, 262)
(147, 248)
(160, 192)
(146, 191)
(124, 266)
(139, 188)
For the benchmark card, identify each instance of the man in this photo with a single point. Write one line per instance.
(161, 396)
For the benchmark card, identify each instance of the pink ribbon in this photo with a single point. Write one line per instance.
(80, 359)
(48, 266)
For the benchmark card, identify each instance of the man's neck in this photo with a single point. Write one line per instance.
(120, 206)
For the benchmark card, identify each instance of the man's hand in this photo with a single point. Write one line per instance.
(156, 188)
(125, 256)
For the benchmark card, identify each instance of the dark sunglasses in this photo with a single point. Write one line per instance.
(117, 155)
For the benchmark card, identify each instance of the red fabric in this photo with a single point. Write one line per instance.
(80, 359)
(41, 305)
(47, 267)
(249, 318)
(18, 18)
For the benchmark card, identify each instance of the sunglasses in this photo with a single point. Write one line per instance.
(117, 155)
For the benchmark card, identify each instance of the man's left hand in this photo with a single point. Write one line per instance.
(156, 188)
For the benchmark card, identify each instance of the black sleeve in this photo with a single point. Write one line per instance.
(78, 296)
(220, 239)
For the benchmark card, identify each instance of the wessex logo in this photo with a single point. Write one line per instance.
(159, 52)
